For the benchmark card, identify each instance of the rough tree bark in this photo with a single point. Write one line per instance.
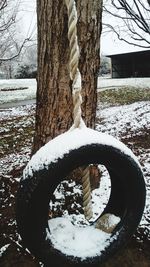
(54, 100)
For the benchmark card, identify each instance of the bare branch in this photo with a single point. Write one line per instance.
(135, 16)
(18, 53)
(124, 39)
(3, 4)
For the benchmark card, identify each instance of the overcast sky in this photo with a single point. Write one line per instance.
(27, 17)
(111, 45)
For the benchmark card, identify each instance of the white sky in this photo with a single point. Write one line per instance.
(111, 45)
(27, 17)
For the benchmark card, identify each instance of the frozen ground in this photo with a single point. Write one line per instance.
(129, 123)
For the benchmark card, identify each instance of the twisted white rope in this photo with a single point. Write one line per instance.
(75, 76)
(86, 188)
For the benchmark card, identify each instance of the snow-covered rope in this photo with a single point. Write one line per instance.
(75, 76)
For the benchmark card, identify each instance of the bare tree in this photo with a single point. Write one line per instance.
(130, 20)
(10, 45)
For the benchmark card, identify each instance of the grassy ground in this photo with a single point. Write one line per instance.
(15, 146)
(122, 96)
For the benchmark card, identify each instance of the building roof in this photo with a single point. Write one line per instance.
(129, 53)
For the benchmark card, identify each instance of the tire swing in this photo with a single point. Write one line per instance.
(78, 147)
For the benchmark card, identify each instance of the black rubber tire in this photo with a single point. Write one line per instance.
(127, 201)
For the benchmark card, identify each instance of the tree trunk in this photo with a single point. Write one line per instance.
(54, 99)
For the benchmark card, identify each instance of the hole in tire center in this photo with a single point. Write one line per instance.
(67, 200)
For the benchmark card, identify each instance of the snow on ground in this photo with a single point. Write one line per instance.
(77, 241)
(17, 90)
(14, 161)
(125, 121)
(29, 87)
(14, 122)
(14, 112)
(16, 83)
(108, 83)
(144, 158)
(3, 249)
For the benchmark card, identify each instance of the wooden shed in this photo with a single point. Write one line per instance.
(133, 64)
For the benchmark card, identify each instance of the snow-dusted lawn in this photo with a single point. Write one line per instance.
(126, 120)
(29, 87)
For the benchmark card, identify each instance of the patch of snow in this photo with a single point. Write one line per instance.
(15, 83)
(68, 141)
(77, 241)
(13, 112)
(125, 120)
(14, 161)
(17, 95)
(59, 195)
(3, 249)
(106, 83)
(16, 112)
(112, 220)
(100, 196)
(144, 157)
